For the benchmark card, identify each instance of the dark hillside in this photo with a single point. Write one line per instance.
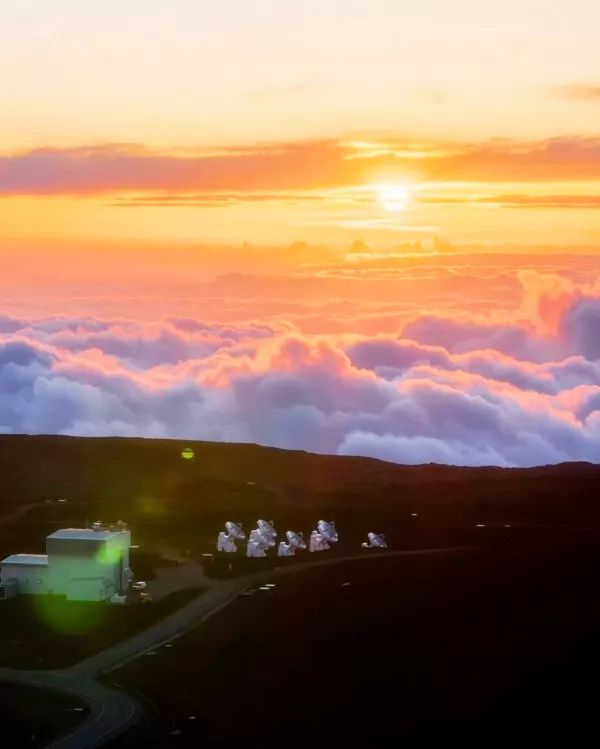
(473, 647)
(150, 484)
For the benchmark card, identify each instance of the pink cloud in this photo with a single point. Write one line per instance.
(125, 167)
(211, 177)
(521, 389)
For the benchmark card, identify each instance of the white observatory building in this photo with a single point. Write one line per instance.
(83, 564)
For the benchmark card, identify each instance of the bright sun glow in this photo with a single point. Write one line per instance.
(393, 197)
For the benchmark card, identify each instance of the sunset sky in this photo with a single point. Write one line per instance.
(271, 120)
(382, 217)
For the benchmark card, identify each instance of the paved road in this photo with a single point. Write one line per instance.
(112, 711)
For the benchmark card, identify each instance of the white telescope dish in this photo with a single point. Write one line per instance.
(296, 540)
(235, 530)
(317, 542)
(266, 528)
(264, 539)
(376, 541)
(226, 539)
(255, 549)
(258, 543)
(225, 543)
(328, 531)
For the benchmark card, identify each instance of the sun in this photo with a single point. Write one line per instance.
(393, 197)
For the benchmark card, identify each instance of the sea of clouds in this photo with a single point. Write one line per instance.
(465, 388)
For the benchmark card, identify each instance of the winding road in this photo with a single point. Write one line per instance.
(113, 711)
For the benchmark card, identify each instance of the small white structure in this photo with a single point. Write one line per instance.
(317, 542)
(24, 573)
(261, 539)
(267, 530)
(295, 541)
(226, 539)
(285, 550)
(83, 564)
(375, 541)
(225, 543)
(255, 549)
(324, 535)
(256, 536)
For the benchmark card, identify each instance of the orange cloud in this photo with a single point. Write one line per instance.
(583, 92)
(524, 201)
(314, 165)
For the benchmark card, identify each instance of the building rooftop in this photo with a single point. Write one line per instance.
(29, 559)
(85, 534)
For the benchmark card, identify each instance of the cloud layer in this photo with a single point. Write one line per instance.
(211, 176)
(518, 389)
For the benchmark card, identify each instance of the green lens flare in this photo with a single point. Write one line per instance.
(70, 617)
(109, 555)
(187, 453)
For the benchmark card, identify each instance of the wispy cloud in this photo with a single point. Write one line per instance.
(289, 167)
(581, 91)
(382, 223)
(545, 201)
(522, 200)
(214, 199)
